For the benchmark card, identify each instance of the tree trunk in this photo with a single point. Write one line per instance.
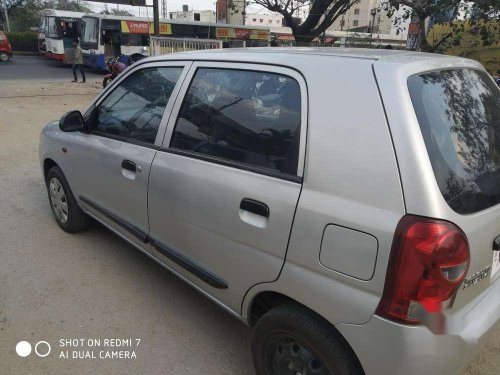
(422, 44)
(303, 40)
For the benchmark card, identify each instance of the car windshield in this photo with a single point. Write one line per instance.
(459, 115)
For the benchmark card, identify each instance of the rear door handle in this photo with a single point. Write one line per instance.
(129, 165)
(255, 207)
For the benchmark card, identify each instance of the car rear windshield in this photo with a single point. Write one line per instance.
(459, 115)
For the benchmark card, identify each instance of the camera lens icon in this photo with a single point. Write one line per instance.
(42, 349)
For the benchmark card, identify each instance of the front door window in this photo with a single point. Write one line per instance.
(133, 111)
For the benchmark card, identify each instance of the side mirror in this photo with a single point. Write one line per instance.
(72, 122)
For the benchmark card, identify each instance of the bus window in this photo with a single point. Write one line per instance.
(135, 39)
(53, 27)
(90, 33)
(69, 29)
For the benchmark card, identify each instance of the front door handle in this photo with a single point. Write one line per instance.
(129, 165)
(255, 207)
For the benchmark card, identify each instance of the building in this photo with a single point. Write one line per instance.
(193, 15)
(361, 16)
(271, 20)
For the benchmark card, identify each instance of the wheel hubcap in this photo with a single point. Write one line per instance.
(288, 356)
(3, 57)
(58, 200)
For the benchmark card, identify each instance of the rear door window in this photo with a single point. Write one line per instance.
(459, 115)
(244, 117)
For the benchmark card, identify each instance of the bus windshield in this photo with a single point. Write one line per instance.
(43, 25)
(90, 33)
(54, 27)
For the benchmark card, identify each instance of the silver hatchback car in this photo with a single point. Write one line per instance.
(345, 203)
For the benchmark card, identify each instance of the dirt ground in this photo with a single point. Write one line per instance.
(94, 285)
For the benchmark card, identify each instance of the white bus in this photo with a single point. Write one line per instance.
(104, 37)
(58, 29)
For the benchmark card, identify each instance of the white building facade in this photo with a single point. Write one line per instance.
(270, 20)
(364, 16)
(193, 15)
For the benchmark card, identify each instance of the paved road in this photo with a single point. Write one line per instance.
(40, 68)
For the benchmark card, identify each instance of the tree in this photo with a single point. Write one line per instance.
(74, 6)
(482, 17)
(25, 14)
(116, 12)
(321, 15)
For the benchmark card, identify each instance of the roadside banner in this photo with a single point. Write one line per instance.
(221, 11)
(412, 39)
(244, 34)
(141, 27)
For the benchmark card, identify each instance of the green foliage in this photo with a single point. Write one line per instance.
(482, 19)
(116, 12)
(489, 57)
(468, 44)
(25, 14)
(70, 5)
(23, 41)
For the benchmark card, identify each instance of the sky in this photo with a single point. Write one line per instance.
(172, 6)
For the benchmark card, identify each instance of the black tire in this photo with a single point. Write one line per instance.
(4, 57)
(77, 220)
(272, 355)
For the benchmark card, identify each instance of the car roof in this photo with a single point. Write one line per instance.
(285, 55)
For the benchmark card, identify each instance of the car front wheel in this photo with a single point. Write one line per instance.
(63, 204)
(291, 339)
(4, 57)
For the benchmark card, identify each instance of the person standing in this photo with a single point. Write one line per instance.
(78, 61)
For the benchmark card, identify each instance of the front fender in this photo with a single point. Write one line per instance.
(45, 144)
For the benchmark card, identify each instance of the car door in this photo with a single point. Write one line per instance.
(224, 187)
(113, 159)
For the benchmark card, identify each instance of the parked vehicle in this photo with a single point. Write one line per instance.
(115, 67)
(5, 48)
(342, 202)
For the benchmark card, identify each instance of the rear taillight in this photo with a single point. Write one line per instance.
(428, 262)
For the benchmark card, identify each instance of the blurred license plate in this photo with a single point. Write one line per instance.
(495, 265)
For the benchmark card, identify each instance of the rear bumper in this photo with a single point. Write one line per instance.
(385, 347)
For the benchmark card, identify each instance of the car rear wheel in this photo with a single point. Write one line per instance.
(4, 57)
(291, 339)
(63, 204)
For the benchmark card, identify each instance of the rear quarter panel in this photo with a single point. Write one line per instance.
(351, 179)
